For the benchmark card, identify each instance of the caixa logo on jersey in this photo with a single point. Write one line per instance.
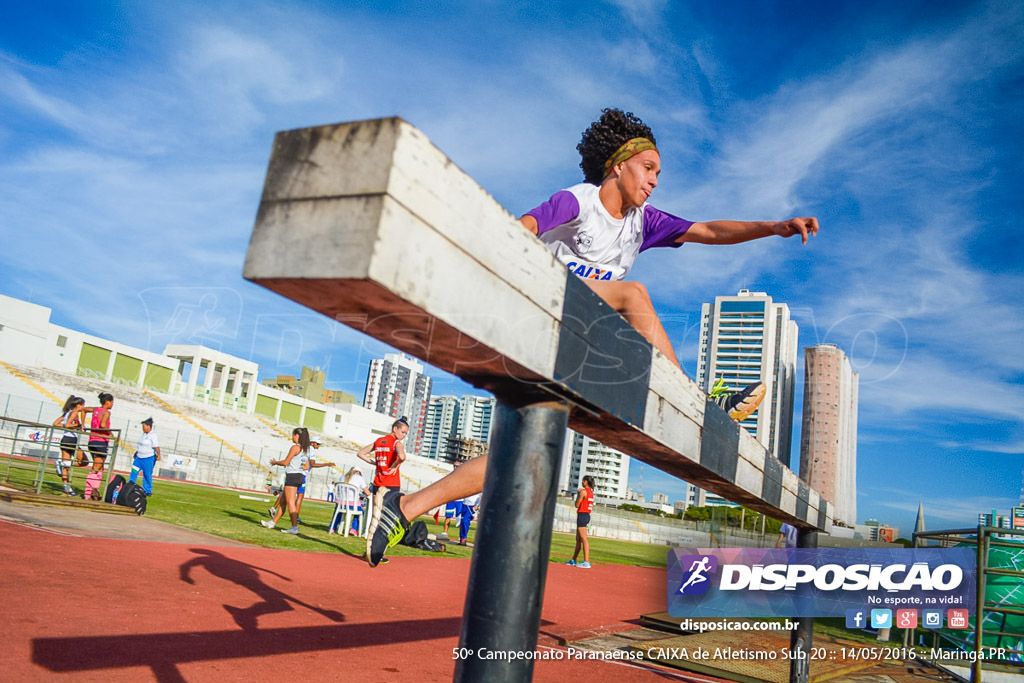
(820, 582)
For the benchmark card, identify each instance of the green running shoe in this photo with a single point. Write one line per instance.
(387, 526)
(739, 404)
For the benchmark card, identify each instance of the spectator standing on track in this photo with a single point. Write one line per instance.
(787, 536)
(71, 418)
(452, 509)
(99, 445)
(147, 452)
(469, 506)
(584, 506)
(294, 466)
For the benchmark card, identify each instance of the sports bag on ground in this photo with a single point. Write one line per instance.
(416, 534)
(133, 496)
(127, 494)
(113, 489)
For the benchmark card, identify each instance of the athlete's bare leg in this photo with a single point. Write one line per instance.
(631, 300)
(466, 480)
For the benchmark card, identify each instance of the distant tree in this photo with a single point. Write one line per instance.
(701, 514)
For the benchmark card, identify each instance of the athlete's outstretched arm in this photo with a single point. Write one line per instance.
(734, 232)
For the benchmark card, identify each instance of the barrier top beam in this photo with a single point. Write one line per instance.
(370, 224)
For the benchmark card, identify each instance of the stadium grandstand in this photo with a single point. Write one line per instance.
(200, 443)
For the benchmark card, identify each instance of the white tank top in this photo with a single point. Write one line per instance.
(65, 419)
(297, 465)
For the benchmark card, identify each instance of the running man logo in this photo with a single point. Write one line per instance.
(695, 580)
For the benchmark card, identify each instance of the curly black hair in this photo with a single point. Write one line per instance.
(604, 137)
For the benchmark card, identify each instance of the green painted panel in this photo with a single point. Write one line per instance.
(158, 378)
(266, 406)
(290, 412)
(93, 361)
(126, 369)
(314, 419)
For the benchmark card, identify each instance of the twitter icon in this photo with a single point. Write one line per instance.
(881, 618)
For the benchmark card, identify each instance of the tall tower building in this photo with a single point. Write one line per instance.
(442, 420)
(474, 421)
(396, 386)
(746, 338)
(583, 456)
(828, 437)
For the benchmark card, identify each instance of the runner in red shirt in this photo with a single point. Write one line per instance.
(584, 506)
(388, 454)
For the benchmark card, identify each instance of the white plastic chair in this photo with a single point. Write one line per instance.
(346, 502)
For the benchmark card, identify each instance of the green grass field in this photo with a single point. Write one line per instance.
(221, 512)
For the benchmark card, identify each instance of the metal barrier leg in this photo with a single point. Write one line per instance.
(800, 637)
(513, 541)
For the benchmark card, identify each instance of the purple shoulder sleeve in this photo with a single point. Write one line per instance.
(561, 208)
(662, 229)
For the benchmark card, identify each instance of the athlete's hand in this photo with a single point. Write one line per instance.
(805, 227)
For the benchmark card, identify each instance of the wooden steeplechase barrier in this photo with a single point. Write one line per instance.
(373, 226)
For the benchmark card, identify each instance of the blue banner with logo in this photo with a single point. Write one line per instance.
(860, 584)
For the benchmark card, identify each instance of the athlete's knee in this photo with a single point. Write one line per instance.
(635, 298)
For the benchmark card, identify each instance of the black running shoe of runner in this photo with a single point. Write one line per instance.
(387, 526)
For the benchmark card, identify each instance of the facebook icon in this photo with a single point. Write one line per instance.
(855, 618)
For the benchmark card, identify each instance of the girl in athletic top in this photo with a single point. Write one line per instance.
(584, 506)
(71, 418)
(99, 445)
(597, 229)
(294, 466)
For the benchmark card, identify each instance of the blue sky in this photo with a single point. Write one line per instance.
(134, 139)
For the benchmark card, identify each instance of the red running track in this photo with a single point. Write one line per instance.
(100, 609)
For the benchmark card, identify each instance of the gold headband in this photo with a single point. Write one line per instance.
(630, 149)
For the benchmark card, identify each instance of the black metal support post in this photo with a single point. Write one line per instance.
(501, 617)
(979, 616)
(800, 637)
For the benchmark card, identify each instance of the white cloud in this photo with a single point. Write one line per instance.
(644, 14)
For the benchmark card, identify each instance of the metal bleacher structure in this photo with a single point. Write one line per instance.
(394, 240)
(212, 445)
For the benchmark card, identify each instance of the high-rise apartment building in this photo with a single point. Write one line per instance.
(468, 417)
(441, 423)
(582, 456)
(746, 338)
(396, 386)
(828, 437)
(474, 419)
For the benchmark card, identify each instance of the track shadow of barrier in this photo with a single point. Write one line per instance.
(247, 576)
(164, 652)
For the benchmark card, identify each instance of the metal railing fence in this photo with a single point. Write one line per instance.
(31, 447)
